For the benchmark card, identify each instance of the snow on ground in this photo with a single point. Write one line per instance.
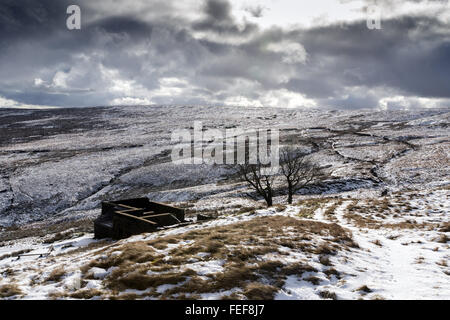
(392, 261)
(56, 167)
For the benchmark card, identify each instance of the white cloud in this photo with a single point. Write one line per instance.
(290, 14)
(128, 101)
(173, 82)
(8, 103)
(38, 82)
(60, 80)
(292, 52)
(400, 102)
(150, 52)
(281, 98)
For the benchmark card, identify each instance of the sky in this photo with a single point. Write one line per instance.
(263, 53)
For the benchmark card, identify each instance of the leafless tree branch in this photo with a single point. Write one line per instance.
(262, 183)
(298, 170)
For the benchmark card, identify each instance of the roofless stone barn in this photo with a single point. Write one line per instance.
(124, 218)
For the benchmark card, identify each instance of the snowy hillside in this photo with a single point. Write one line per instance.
(341, 239)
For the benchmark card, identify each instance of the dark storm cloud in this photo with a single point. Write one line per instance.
(38, 45)
(218, 19)
(156, 53)
(27, 19)
(123, 24)
(409, 54)
(219, 10)
(19, 18)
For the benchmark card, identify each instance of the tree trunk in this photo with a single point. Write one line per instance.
(268, 198)
(290, 193)
(269, 201)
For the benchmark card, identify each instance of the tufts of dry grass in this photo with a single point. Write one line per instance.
(377, 243)
(329, 213)
(258, 291)
(36, 230)
(131, 253)
(59, 236)
(442, 263)
(297, 269)
(310, 206)
(125, 296)
(141, 281)
(9, 272)
(325, 249)
(82, 294)
(325, 260)
(250, 209)
(86, 294)
(445, 227)
(279, 207)
(56, 274)
(443, 238)
(314, 280)
(331, 271)
(9, 290)
(138, 266)
(371, 214)
(364, 289)
(328, 295)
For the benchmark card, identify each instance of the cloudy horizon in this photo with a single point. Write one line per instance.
(263, 53)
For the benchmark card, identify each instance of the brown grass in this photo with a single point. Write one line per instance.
(56, 274)
(246, 242)
(331, 271)
(443, 238)
(131, 253)
(102, 245)
(325, 260)
(249, 209)
(329, 213)
(445, 227)
(82, 294)
(9, 290)
(328, 295)
(325, 249)
(297, 269)
(86, 294)
(442, 263)
(314, 280)
(58, 237)
(139, 281)
(38, 230)
(309, 206)
(125, 296)
(365, 289)
(363, 217)
(279, 207)
(377, 243)
(258, 291)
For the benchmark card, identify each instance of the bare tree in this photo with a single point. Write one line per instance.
(298, 170)
(257, 177)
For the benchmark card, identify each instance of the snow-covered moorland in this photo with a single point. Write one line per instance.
(377, 228)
